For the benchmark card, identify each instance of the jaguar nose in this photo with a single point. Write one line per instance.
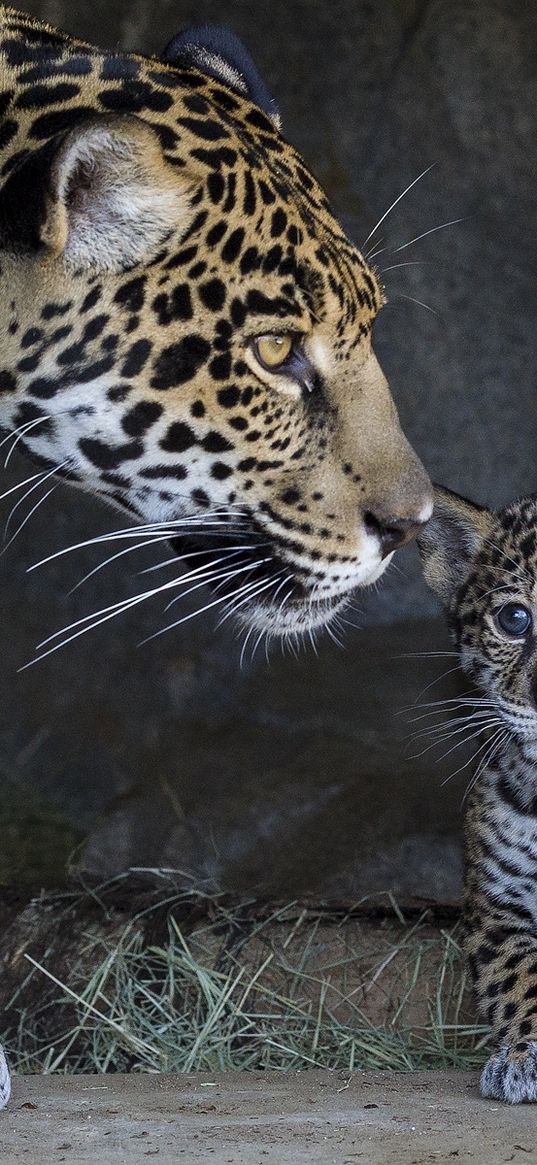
(392, 531)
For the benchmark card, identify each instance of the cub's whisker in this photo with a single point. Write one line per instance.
(467, 732)
(455, 723)
(499, 741)
(468, 762)
(447, 707)
(450, 671)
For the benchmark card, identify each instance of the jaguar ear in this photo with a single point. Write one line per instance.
(450, 541)
(110, 196)
(215, 50)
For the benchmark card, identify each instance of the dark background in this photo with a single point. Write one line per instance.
(297, 776)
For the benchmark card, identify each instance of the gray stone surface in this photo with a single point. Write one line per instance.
(295, 772)
(308, 1118)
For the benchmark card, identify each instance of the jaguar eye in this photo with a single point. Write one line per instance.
(514, 619)
(273, 351)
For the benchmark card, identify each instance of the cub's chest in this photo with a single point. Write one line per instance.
(509, 857)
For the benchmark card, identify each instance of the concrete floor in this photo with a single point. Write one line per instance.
(311, 1118)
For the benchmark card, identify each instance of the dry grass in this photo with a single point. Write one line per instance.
(214, 987)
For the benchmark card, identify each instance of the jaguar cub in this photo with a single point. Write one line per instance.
(483, 566)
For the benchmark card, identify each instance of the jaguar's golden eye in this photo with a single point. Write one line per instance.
(272, 350)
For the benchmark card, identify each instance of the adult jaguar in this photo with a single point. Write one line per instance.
(185, 329)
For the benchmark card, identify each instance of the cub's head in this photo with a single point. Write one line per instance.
(483, 566)
(186, 330)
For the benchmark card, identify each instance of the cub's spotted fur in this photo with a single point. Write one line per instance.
(483, 566)
(185, 329)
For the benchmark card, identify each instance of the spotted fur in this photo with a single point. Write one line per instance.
(153, 223)
(483, 565)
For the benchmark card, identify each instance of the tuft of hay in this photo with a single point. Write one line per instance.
(198, 985)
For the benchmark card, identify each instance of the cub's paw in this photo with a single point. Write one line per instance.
(511, 1074)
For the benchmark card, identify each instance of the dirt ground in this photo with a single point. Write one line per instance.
(309, 1118)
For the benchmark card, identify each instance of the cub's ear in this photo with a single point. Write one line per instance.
(102, 197)
(215, 50)
(450, 541)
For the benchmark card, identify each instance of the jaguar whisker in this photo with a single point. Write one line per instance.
(45, 475)
(192, 614)
(394, 204)
(175, 525)
(19, 433)
(123, 604)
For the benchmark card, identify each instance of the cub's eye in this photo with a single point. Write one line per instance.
(273, 350)
(514, 619)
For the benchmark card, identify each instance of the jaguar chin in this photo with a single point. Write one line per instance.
(274, 591)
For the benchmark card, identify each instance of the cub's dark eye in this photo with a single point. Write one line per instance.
(514, 619)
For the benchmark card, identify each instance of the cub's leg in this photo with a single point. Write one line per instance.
(501, 940)
(507, 989)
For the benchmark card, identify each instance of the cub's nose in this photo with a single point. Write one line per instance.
(392, 532)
